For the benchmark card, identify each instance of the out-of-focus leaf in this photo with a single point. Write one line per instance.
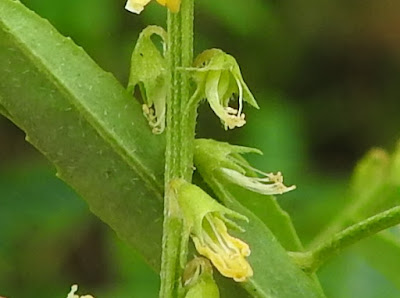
(83, 121)
(350, 276)
(41, 201)
(375, 186)
(253, 13)
(382, 251)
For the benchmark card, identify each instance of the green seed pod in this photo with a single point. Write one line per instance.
(198, 279)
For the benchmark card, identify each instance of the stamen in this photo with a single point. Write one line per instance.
(240, 96)
(270, 184)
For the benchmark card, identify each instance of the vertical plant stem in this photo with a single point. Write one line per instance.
(179, 148)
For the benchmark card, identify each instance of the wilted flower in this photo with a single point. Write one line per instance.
(219, 80)
(207, 223)
(137, 6)
(72, 294)
(224, 160)
(149, 73)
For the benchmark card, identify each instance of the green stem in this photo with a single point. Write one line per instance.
(179, 147)
(310, 261)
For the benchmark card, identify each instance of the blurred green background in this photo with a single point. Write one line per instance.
(327, 77)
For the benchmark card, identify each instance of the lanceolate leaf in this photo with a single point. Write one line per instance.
(85, 123)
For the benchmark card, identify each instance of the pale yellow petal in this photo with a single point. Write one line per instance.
(136, 6)
(228, 254)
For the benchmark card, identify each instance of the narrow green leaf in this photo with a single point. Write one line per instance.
(84, 121)
(267, 209)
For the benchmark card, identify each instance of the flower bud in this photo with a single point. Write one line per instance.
(198, 279)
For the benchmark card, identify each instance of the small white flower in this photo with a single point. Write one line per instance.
(269, 184)
(72, 294)
(225, 161)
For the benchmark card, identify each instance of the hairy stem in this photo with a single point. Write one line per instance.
(310, 261)
(179, 149)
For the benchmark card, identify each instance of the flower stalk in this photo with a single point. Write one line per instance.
(311, 261)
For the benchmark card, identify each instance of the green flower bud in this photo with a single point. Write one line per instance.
(207, 222)
(148, 71)
(218, 79)
(198, 279)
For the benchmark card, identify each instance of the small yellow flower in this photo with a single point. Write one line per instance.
(137, 6)
(227, 253)
(207, 222)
